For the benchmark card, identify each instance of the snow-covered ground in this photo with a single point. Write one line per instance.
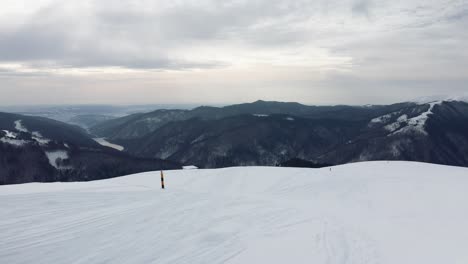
(374, 212)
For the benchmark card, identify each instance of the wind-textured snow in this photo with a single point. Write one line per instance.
(105, 143)
(363, 213)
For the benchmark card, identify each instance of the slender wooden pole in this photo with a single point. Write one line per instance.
(162, 180)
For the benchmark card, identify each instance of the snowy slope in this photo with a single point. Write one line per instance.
(377, 212)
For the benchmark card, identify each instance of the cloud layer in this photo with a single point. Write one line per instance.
(321, 51)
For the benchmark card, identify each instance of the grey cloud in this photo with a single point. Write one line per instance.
(390, 44)
(361, 7)
(198, 22)
(145, 39)
(52, 43)
(32, 43)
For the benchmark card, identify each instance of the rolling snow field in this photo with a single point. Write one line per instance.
(362, 213)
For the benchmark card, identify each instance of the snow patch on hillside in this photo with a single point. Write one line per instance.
(41, 141)
(11, 137)
(37, 136)
(20, 127)
(396, 125)
(198, 139)
(403, 118)
(9, 134)
(14, 142)
(383, 119)
(152, 120)
(190, 167)
(418, 123)
(104, 142)
(55, 158)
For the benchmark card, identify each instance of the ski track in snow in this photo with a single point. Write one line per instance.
(363, 213)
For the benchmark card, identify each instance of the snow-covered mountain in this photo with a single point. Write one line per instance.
(364, 213)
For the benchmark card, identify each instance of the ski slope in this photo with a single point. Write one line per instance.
(363, 213)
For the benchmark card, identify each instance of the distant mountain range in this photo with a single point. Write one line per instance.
(141, 124)
(259, 133)
(271, 133)
(45, 150)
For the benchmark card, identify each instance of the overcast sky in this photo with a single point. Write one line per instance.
(202, 51)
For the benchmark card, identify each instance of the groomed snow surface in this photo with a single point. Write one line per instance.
(374, 212)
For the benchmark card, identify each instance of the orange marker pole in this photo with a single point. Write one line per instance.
(162, 180)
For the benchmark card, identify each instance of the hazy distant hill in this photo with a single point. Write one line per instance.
(86, 116)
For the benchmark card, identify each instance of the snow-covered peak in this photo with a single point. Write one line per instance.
(441, 98)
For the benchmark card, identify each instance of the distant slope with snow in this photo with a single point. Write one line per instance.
(37, 149)
(375, 212)
(435, 132)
